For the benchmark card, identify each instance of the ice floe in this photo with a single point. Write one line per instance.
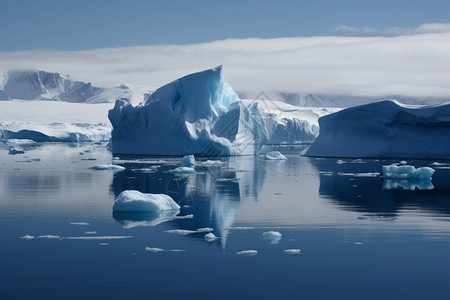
(247, 252)
(407, 172)
(273, 237)
(131, 200)
(275, 155)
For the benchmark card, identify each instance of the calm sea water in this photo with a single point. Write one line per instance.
(355, 235)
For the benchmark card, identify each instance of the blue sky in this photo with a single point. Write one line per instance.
(93, 24)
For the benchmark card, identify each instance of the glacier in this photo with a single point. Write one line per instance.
(385, 129)
(198, 114)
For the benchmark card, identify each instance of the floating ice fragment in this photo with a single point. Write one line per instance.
(209, 237)
(103, 244)
(107, 167)
(188, 161)
(105, 237)
(272, 236)
(275, 155)
(49, 236)
(27, 237)
(181, 231)
(79, 223)
(407, 172)
(91, 232)
(293, 251)
(359, 243)
(131, 200)
(247, 252)
(153, 250)
(339, 162)
(402, 162)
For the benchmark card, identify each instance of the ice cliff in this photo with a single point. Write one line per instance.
(197, 114)
(385, 129)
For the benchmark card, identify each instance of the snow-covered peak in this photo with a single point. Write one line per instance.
(41, 85)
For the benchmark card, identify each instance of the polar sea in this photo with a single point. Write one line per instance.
(344, 232)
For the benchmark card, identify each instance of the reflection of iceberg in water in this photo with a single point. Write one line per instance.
(134, 219)
(408, 184)
(212, 195)
(380, 198)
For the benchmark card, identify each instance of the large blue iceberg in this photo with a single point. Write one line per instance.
(385, 129)
(197, 114)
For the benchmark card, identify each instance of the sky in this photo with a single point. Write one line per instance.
(349, 46)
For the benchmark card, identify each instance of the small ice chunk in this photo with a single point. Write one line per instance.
(272, 236)
(275, 155)
(293, 251)
(107, 167)
(153, 250)
(104, 237)
(131, 200)
(183, 170)
(359, 243)
(27, 237)
(247, 252)
(181, 231)
(339, 162)
(49, 236)
(407, 172)
(91, 232)
(403, 162)
(79, 223)
(188, 161)
(103, 244)
(209, 237)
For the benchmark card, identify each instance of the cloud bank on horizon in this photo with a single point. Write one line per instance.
(409, 61)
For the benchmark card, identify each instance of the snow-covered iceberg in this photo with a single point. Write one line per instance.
(135, 201)
(197, 114)
(385, 129)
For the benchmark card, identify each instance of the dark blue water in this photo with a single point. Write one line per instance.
(358, 240)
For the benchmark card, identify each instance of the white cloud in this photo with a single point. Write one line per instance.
(424, 28)
(413, 64)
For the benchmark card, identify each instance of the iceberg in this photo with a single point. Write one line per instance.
(385, 129)
(198, 114)
(188, 161)
(407, 172)
(131, 200)
(273, 237)
(275, 155)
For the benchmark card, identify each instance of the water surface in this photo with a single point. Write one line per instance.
(359, 238)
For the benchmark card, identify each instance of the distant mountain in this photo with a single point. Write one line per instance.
(340, 101)
(42, 85)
